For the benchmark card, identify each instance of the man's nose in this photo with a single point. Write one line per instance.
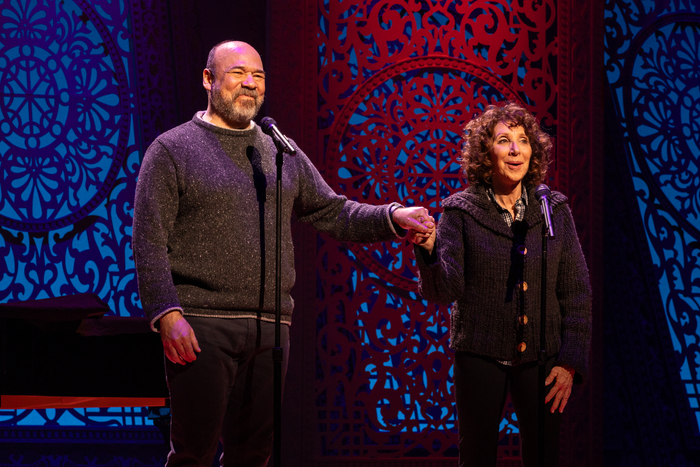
(249, 81)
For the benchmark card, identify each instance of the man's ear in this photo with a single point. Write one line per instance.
(207, 79)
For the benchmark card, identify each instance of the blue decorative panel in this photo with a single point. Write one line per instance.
(112, 416)
(653, 66)
(69, 158)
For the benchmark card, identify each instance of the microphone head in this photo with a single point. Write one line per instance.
(266, 124)
(542, 191)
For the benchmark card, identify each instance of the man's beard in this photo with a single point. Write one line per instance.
(233, 111)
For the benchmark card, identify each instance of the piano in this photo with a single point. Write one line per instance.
(65, 353)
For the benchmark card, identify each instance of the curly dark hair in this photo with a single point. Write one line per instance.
(478, 139)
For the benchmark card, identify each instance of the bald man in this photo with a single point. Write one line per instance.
(204, 247)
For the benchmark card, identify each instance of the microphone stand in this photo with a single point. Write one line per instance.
(269, 127)
(542, 356)
(278, 352)
(547, 231)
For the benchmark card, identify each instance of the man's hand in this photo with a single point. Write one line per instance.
(415, 218)
(179, 341)
(561, 391)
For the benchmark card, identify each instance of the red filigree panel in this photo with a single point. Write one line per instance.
(396, 83)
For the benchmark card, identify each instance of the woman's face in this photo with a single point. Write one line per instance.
(510, 157)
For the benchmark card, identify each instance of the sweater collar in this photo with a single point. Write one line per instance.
(197, 119)
(475, 203)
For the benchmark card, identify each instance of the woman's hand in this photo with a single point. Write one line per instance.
(424, 240)
(563, 378)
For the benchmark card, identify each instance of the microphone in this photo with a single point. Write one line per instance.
(269, 127)
(542, 194)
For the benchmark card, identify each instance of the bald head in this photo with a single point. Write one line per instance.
(237, 47)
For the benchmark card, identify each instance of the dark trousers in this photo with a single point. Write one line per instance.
(481, 388)
(226, 394)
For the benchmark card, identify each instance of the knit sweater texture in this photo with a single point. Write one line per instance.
(479, 263)
(204, 222)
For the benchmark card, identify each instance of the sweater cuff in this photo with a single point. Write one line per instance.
(155, 325)
(579, 377)
(396, 228)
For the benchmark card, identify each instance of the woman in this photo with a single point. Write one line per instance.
(485, 256)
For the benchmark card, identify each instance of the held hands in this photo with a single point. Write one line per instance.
(561, 391)
(414, 218)
(179, 341)
(420, 225)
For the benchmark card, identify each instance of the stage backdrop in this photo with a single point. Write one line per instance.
(376, 92)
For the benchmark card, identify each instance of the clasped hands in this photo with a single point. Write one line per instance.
(415, 219)
(420, 225)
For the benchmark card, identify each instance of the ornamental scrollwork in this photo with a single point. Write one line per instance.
(396, 83)
(653, 68)
(69, 158)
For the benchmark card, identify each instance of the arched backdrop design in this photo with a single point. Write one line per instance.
(397, 82)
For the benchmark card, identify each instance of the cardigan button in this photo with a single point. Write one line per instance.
(522, 286)
(522, 319)
(521, 347)
(522, 250)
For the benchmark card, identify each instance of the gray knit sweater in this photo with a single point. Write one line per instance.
(478, 265)
(204, 222)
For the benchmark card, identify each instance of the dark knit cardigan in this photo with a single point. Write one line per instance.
(478, 264)
(204, 222)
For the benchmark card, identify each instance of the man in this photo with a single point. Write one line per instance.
(204, 243)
